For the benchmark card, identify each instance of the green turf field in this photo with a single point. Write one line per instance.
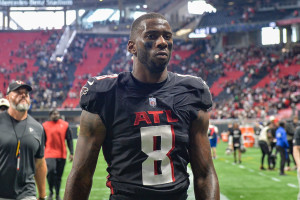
(244, 181)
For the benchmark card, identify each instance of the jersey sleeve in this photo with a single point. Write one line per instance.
(93, 93)
(202, 97)
(41, 150)
(199, 95)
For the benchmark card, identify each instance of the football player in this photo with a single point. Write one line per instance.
(150, 123)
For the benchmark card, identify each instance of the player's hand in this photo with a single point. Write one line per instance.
(70, 158)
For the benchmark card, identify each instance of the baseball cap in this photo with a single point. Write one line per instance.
(4, 102)
(16, 85)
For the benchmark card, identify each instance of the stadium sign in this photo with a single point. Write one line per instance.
(36, 2)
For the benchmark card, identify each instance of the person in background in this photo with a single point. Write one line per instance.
(22, 162)
(282, 146)
(4, 105)
(235, 141)
(290, 131)
(57, 132)
(296, 154)
(257, 129)
(264, 144)
(150, 122)
(272, 136)
(213, 139)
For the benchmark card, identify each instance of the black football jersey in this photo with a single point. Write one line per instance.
(236, 136)
(147, 139)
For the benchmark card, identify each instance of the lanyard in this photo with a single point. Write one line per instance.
(18, 139)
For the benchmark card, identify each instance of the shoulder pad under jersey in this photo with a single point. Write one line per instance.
(202, 97)
(92, 94)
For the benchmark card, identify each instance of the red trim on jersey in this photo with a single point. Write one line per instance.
(155, 167)
(108, 184)
(168, 154)
(154, 143)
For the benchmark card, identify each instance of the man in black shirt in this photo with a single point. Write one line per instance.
(296, 154)
(290, 131)
(236, 141)
(21, 148)
(150, 122)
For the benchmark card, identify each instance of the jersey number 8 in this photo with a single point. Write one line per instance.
(157, 142)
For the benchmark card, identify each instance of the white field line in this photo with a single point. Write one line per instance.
(262, 174)
(275, 179)
(292, 185)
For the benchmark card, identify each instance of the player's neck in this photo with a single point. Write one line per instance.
(146, 76)
(17, 115)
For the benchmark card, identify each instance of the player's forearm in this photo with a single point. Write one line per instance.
(40, 176)
(296, 155)
(207, 188)
(78, 186)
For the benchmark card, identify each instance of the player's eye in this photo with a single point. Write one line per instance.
(167, 37)
(150, 36)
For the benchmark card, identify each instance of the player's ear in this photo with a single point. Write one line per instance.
(131, 48)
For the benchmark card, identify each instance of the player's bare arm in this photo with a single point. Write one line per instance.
(296, 154)
(90, 139)
(40, 176)
(206, 183)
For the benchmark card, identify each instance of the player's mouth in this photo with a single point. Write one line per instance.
(23, 100)
(162, 54)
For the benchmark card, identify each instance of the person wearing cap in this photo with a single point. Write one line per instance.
(57, 132)
(23, 166)
(4, 105)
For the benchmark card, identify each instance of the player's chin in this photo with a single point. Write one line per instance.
(162, 62)
(158, 67)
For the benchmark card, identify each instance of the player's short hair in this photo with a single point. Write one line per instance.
(282, 124)
(52, 111)
(136, 22)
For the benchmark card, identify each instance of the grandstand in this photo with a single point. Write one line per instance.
(230, 58)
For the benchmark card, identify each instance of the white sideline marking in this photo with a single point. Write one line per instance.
(242, 167)
(227, 161)
(275, 179)
(292, 185)
(191, 195)
(262, 174)
(251, 170)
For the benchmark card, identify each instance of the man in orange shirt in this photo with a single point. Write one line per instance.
(57, 131)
